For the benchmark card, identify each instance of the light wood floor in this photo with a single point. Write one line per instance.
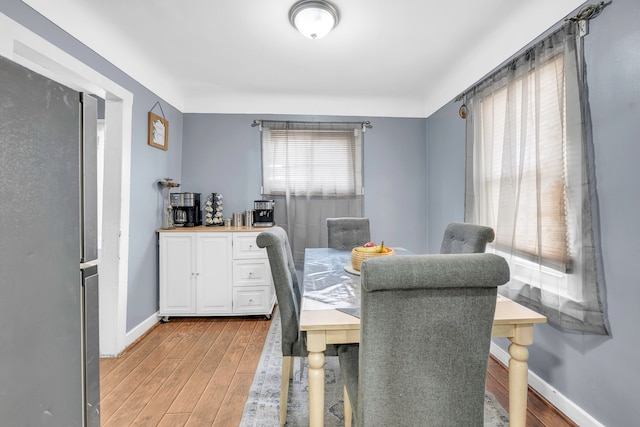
(198, 371)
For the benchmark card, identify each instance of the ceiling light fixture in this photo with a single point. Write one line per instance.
(314, 18)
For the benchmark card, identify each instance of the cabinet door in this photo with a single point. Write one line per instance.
(214, 268)
(177, 273)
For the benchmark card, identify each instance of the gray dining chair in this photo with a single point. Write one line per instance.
(289, 295)
(348, 232)
(463, 238)
(424, 340)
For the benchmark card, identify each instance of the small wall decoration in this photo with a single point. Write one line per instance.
(158, 131)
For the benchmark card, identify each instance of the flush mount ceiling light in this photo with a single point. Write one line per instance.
(314, 18)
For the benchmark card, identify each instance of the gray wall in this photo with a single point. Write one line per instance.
(445, 161)
(599, 374)
(221, 154)
(149, 164)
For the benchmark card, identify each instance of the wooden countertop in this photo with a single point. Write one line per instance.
(213, 228)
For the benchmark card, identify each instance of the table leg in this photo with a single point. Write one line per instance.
(518, 374)
(316, 389)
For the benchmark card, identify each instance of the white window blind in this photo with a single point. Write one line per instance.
(311, 159)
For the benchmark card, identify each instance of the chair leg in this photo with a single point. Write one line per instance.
(287, 373)
(292, 367)
(347, 409)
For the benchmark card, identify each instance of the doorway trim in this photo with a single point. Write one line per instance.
(23, 46)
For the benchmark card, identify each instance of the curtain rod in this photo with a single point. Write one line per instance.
(366, 124)
(581, 19)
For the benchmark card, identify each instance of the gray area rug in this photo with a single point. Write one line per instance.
(263, 404)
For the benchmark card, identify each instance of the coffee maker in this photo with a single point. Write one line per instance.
(264, 213)
(186, 209)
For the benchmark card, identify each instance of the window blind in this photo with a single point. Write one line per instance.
(312, 159)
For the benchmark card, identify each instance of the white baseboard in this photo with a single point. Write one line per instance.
(557, 399)
(141, 329)
(136, 333)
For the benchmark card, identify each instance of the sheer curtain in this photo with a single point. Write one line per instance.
(530, 177)
(313, 171)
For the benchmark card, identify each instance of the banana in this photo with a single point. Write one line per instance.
(373, 250)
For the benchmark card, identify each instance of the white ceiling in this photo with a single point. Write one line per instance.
(400, 58)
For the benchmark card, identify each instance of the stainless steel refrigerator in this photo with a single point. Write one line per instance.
(49, 355)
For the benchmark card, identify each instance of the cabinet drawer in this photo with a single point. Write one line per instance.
(252, 300)
(251, 273)
(245, 247)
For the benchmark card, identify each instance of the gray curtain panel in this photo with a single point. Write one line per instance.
(530, 176)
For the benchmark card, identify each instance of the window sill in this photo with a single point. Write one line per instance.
(551, 287)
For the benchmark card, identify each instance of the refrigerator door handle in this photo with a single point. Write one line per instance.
(89, 179)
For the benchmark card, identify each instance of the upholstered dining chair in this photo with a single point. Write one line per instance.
(348, 232)
(463, 238)
(424, 340)
(289, 296)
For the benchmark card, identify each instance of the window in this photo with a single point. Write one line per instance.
(313, 171)
(535, 159)
(313, 159)
(529, 177)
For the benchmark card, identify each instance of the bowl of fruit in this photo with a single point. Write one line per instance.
(368, 250)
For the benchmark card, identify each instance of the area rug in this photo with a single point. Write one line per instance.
(263, 404)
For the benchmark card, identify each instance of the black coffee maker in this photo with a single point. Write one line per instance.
(186, 209)
(264, 213)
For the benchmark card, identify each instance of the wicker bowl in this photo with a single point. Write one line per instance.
(357, 257)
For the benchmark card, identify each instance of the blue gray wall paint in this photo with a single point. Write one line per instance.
(149, 164)
(445, 166)
(221, 153)
(599, 374)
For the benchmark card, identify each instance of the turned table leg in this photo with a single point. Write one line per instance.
(518, 384)
(316, 389)
(518, 375)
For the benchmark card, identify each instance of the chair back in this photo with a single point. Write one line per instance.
(347, 233)
(285, 282)
(463, 238)
(425, 337)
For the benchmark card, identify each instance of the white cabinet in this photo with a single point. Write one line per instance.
(213, 273)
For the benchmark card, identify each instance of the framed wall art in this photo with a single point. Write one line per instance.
(158, 131)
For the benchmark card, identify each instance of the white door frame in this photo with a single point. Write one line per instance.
(32, 51)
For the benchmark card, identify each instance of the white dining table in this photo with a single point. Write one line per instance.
(330, 315)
